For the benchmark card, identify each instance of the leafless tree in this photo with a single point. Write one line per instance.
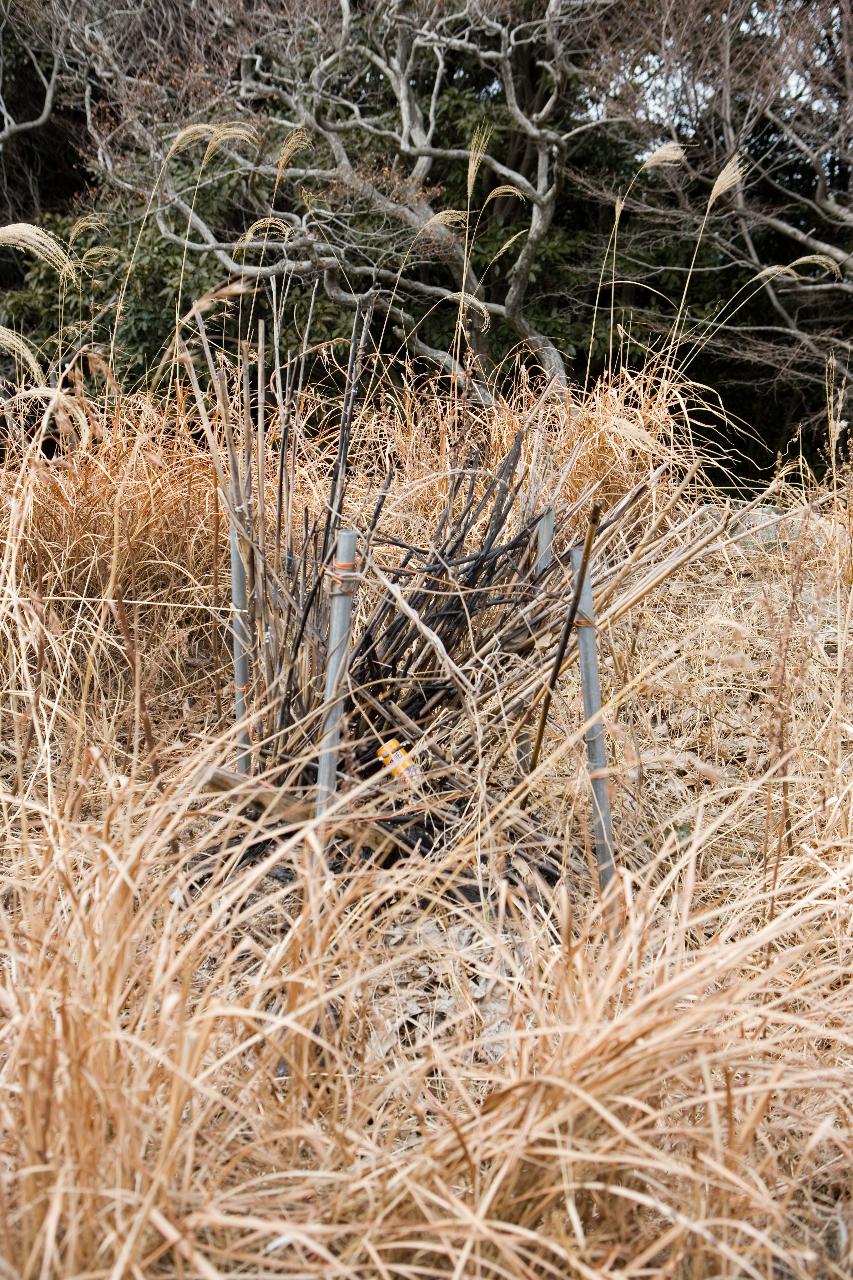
(19, 53)
(370, 86)
(32, 61)
(362, 207)
(772, 82)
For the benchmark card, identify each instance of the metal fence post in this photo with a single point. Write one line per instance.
(241, 642)
(602, 822)
(544, 541)
(343, 589)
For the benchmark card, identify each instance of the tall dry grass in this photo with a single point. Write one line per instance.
(206, 1072)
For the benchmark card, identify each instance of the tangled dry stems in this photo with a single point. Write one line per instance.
(355, 1074)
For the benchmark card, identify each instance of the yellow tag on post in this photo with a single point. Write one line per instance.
(395, 756)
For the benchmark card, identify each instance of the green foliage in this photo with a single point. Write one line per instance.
(120, 264)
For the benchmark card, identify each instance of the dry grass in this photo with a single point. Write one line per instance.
(354, 1074)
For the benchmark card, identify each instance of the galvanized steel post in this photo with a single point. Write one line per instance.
(241, 643)
(602, 822)
(544, 541)
(343, 589)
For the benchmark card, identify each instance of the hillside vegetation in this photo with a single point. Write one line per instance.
(355, 1068)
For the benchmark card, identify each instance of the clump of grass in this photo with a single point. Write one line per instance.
(107, 543)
